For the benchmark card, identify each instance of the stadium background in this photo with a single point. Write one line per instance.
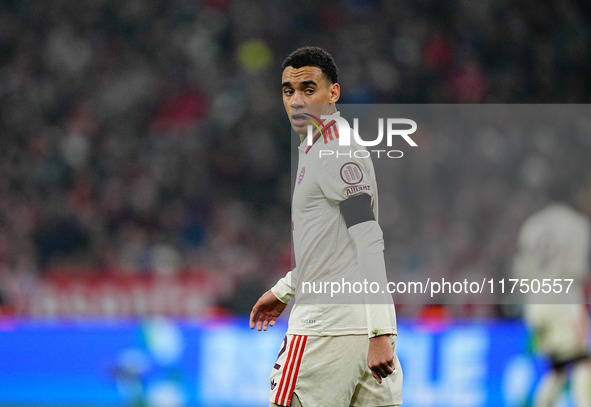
(144, 190)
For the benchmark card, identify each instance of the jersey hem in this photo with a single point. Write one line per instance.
(335, 332)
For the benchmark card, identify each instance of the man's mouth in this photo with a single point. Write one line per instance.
(299, 120)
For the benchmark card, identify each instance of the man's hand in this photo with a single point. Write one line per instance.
(380, 357)
(266, 311)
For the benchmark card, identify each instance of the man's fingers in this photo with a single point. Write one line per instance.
(259, 320)
(385, 369)
(269, 321)
(382, 370)
(262, 316)
(376, 376)
(252, 318)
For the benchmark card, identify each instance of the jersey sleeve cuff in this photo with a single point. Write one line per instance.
(379, 332)
(282, 290)
(379, 320)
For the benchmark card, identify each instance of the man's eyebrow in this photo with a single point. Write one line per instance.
(304, 83)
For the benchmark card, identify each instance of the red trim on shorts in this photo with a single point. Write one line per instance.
(295, 377)
(284, 367)
(287, 383)
(284, 394)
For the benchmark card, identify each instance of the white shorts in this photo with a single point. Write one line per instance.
(331, 371)
(561, 329)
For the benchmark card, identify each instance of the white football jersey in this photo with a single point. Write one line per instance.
(554, 243)
(324, 252)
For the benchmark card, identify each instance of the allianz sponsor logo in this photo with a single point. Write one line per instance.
(356, 189)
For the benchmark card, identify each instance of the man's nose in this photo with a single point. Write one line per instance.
(297, 101)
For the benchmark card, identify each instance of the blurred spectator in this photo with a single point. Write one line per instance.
(149, 137)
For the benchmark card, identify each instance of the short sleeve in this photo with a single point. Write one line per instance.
(346, 175)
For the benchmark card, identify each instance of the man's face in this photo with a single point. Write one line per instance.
(306, 90)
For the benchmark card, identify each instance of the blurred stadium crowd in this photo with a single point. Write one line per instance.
(146, 137)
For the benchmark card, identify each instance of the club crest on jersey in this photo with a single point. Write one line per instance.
(351, 173)
(301, 176)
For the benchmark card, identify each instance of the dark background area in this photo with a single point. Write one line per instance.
(142, 138)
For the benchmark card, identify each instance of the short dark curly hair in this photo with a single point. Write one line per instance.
(313, 56)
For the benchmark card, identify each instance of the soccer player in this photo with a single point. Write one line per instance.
(334, 354)
(554, 243)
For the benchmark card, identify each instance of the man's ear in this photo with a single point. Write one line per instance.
(335, 93)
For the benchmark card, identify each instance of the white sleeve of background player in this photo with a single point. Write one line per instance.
(379, 308)
(282, 290)
(580, 246)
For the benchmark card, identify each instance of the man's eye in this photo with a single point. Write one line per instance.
(288, 92)
(309, 91)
